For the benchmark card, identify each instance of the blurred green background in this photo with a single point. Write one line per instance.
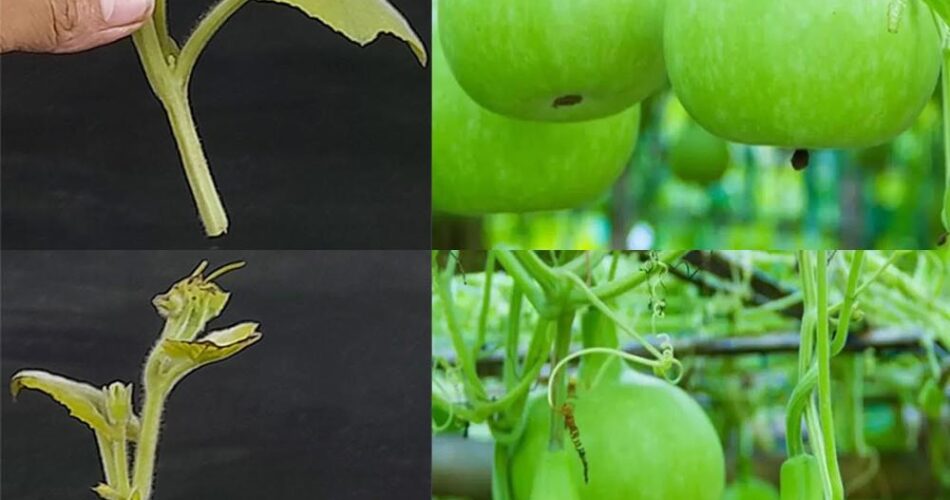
(887, 197)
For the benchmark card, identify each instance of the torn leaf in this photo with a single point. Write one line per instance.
(84, 402)
(362, 20)
(215, 346)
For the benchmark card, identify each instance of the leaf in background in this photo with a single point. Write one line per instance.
(363, 20)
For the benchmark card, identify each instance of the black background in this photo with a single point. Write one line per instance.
(314, 142)
(333, 402)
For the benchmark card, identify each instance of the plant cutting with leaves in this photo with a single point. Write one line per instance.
(169, 67)
(182, 348)
(781, 344)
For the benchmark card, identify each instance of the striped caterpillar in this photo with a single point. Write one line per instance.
(568, 411)
(894, 13)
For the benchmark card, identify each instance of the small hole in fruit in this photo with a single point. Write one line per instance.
(943, 239)
(800, 159)
(568, 100)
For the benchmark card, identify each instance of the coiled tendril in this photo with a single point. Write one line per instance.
(666, 365)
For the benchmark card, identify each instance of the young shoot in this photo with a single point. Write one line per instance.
(169, 66)
(186, 307)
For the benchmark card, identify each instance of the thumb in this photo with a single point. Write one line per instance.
(68, 25)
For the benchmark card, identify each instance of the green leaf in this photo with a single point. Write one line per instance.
(215, 346)
(362, 20)
(84, 402)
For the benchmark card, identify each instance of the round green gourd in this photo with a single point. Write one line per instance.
(699, 157)
(801, 479)
(802, 73)
(750, 488)
(555, 60)
(644, 439)
(483, 162)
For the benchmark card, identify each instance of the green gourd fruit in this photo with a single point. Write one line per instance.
(643, 439)
(699, 157)
(801, 479)
(483, 162)
(751, 488)
(803, 74)
(555, 60)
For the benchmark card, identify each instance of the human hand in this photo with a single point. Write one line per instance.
(61, 26)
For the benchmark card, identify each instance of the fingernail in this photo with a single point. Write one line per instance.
(124, 12)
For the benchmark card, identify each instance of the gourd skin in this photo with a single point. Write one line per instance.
(802, 73)
(555, 60)
(698, 156)
(751, 488)
(644, 439)
(801, 479)
(483, 162)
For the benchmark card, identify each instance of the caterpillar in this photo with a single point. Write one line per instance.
(894, 13)
(568, 411)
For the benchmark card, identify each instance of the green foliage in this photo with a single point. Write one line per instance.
(169, 68)
(511, 313)
(186, 308)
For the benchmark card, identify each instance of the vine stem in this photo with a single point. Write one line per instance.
(500, 485)
(615, 352)
(199, 38)
(806, 362)
(108, 458)
(511, 369)
(120, 457)
(823, 355)
(557, 385)
(168, 73)
(472, 384)
(485, 306)
(844, 319)
(595, 301)
(946, 134)
(797, 403)
(147, 446)
(522, 278)
(622, 285)
(210, 208)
